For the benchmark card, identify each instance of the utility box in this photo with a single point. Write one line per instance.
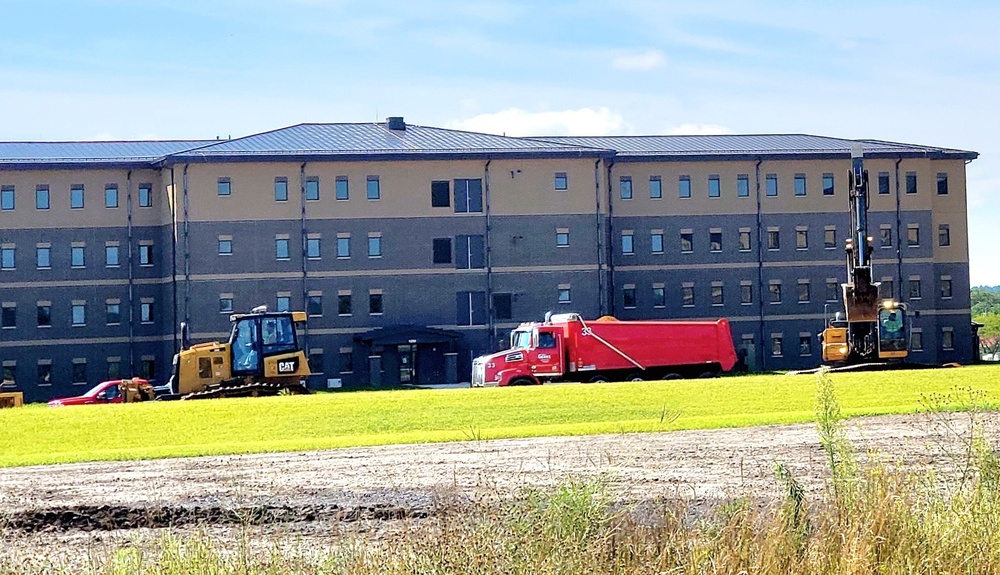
(11, 399)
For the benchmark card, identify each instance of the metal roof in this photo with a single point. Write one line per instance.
(751, 145)
(377, 140)
(93, 153)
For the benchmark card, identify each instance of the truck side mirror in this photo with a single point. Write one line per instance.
(102, 395)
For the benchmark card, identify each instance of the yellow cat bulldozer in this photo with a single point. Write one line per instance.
(264, 356)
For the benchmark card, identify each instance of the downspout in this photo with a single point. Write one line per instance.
(600, 242)
(760, 267)
(304, 246)
(187, 252)
(131, 275)
(173, 255)
(491, 323)
(899, 238)
(609, 294)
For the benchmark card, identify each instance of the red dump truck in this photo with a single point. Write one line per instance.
(567, 347)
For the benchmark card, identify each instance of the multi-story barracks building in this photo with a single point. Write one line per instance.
(414, 249)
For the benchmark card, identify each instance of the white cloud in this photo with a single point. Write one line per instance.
(648, 60)
(699, 130)
(517, 122)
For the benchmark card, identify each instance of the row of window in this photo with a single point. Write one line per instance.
(79, 375)
(800, 187)
(77, 255)
(77, 196)
(341, 189)
(78, 313)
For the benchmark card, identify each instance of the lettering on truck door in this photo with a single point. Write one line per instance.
(547, 356)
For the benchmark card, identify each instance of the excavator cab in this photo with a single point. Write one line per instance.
(892, 332)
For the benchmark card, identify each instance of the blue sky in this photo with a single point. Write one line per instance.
(917, 72)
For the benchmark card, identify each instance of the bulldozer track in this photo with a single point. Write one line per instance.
(255, 389)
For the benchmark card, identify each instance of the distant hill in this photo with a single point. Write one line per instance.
(986, 288)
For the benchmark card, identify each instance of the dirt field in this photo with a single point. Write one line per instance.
(80, 509)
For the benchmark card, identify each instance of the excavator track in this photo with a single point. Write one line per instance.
(253, 389)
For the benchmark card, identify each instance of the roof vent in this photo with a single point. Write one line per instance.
(395, 123)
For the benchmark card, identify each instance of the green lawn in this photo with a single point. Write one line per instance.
(37, 434)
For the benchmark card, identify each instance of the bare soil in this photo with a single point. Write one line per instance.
(68, 512)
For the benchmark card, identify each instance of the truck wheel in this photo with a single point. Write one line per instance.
(598, 379)
(522, 381)
(708, 375)
(634, 377)
(670, 376)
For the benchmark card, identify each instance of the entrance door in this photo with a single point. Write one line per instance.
(407, 363)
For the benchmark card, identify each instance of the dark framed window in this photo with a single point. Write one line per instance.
(628, 297)
(625, 187)
(942, 183)
(281, 189)
(42, 198)
(718, 294)
(375, 304)
(6, 198)
(911, 182)
(746, 293)
(344, 304)
(468, 196)
(342, 192)
(883, 182)
(656, 242)
(773, 240)
(561, 181)
(224, 186)
(145, 195)
(745, 241)
(684, 186)
(44, 315)
(774, 290)
(743, 186)
(687, 242)
(314, 305)
(945, 287)
(470, 308)
(655, 188)
(828, 184)
(944, 235)
(80, 372)
(441, 194)
(800, 184)
(312, 188)
(715, 241)
(145, 255)
(281, 249)
(9, 316)
(687, 296)
(111, 196)
(226, 305)
(76, 196)
(714, 187)
(373, 188)
(343, 247)
(659, 297)
(503, 306)
(313, 248)
(771, 183)
(78, 314)
(76, 257)
(7, 258)
(44, 374)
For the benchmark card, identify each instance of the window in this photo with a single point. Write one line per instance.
(281, 248)
(773, 240)
(947, 338)
(442, 250)
(776, 350)
(145, 195)
(655, 188)
(344, 304)
(470, 308)
(803, 291)
(112, 313)
(80, 373)
(830, 237)
(827, 184)
(774, 291)
(503, 306)
(718, 297)
(800, 184)
(944, 235)
(916, 340)
(628, 297)
(942, 183)
(687, 241)
(76, 257)
(743, 185)
(883, 183)
(147, 369)
(656, 241)
(9, 377)
(563, 294)
(945, 287)
(226, 304)
(714, 189)
(744, 240)
(911, 182)
(441, 194)
(628, 247)
(42, 198)
(44, 373)
(468, 196)
(913, 235)
(312, 248)
(7, 260)
(746, 293)
(111, 255)
(312, 189)
(43, 257)
(44, 315)
(625, 187)
(343, 246)
(915, 288)
(832, 290)
(145, 254)
(886, 288)
(6, 198)
(715, 240)
(111, 196)
(372, 188)
(346, 360)
(79, 314)
(76, 196)
(687, 295)
(341, 188)
(281, 189)
(801, 239)
(659, 297)
(374, 246)
(772, 185)
(224, 186)
(225, 246)
(805, 344)
(885, 235)
(314, 305)
(562, 182)
(684, 187)
(315, 361)
(146, 312)
(9, 316)
(470, 252)
(562, 237)
(283, 302)
(375, 303)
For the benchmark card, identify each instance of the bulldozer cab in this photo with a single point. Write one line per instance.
(257, 336)
(892, 332)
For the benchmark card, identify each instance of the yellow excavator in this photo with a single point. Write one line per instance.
(264, 356)
(871, 330)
